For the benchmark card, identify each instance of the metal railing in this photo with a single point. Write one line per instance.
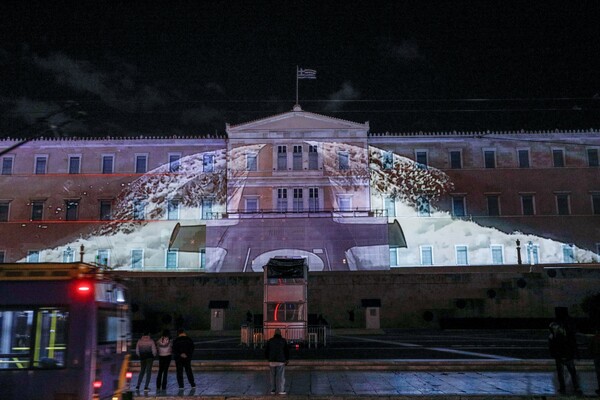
(257, 336)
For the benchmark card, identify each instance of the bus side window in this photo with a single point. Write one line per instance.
(50, 338)
(15, 338)
(19, 343)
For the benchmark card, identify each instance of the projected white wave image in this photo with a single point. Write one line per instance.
(246, 223)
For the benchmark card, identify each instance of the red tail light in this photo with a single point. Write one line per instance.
(128, 375)
(97, 384)
(83, 288)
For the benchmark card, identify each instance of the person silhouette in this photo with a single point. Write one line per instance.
(562, 343)
(278, 354)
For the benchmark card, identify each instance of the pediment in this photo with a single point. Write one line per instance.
(297, 120)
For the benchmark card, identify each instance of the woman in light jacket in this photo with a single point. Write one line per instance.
(164, 346)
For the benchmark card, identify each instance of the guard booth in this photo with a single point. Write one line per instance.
(217, 314)
(372, 307)
(285, 298)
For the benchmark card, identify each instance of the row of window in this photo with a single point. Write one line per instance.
(297, 200)
(531, 256)
(421, 156)
(289, 199)
(107, 164)
(531, 251)
(489, 155)
(300, 200)
(103, 257)
(105, 210)
(459, 205)
(296, 162)
(296, 159)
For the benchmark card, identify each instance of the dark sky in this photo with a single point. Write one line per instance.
(187, 68)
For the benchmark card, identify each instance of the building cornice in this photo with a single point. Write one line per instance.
(483, 133)
(114, 138)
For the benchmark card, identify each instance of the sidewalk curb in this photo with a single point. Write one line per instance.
(362, 397)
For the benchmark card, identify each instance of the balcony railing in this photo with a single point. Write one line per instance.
(337, 213)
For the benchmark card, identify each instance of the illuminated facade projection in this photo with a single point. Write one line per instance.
(300, 184)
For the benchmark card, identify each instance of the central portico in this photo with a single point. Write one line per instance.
(298, 186)
(297, 162)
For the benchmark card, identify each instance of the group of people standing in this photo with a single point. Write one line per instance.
(181, 349)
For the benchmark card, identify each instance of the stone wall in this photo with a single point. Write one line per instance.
(410, 297)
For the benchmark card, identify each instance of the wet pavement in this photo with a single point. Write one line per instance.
(372, 384)
(399, 344)
(391, 365)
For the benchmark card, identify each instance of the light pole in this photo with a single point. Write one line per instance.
(69, 254)
(530, 252)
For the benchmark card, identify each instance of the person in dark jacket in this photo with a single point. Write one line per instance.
(146, 351)
(278, 354)
(562, 343)
(183, 348)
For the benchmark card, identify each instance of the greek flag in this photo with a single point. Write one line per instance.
(305, 73)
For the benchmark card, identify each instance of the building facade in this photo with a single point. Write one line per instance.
(299, 184)
(539, 187)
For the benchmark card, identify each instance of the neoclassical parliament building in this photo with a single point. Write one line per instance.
(300, 184)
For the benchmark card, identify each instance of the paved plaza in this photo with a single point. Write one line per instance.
(393, 364)
(372, 384)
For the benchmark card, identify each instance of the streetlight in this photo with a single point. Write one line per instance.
(530, 252)
(68, 254)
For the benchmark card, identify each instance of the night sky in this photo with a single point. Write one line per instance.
(108, 69)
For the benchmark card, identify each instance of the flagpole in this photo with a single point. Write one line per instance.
(296, 85)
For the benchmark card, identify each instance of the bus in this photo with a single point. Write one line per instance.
(65, 333)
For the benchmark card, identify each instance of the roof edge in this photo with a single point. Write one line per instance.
(295, 111)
